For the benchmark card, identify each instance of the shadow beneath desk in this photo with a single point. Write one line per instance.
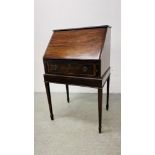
(84, 107)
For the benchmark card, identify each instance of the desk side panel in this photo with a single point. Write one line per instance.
(105, 55)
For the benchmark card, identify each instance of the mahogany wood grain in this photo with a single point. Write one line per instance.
(76, 44)
(74, 68)
(79, 56)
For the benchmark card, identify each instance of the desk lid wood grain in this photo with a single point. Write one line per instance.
(78, 44)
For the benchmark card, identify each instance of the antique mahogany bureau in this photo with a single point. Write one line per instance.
(79, 56)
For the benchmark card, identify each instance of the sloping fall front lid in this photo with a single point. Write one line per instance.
(80, 43)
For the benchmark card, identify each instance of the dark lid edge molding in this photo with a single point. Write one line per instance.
(90, 27)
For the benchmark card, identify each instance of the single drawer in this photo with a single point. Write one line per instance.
(71, 68)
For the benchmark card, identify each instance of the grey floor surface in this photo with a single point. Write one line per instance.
(75, 128)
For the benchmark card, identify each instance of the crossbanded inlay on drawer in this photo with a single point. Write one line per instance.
(71, 69)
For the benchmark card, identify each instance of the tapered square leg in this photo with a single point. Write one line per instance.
(67, 92)
(108, 84)
(49, 99)
(100, 109)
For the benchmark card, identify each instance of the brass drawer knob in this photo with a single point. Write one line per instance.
(54, 67)
(85, 69)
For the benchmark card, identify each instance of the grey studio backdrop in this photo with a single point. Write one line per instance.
(57, 14)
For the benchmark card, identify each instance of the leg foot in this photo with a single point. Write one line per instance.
(99, 130)
(108, 83)
(107, 107)
(67, 91)
(49, 99)
(52, 117)
(100, 108)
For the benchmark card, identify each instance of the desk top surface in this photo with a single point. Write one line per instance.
(81, 44)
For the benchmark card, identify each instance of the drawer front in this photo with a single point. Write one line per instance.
(71, 69)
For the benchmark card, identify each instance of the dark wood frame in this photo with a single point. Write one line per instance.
(98, 80)
(80, 81)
